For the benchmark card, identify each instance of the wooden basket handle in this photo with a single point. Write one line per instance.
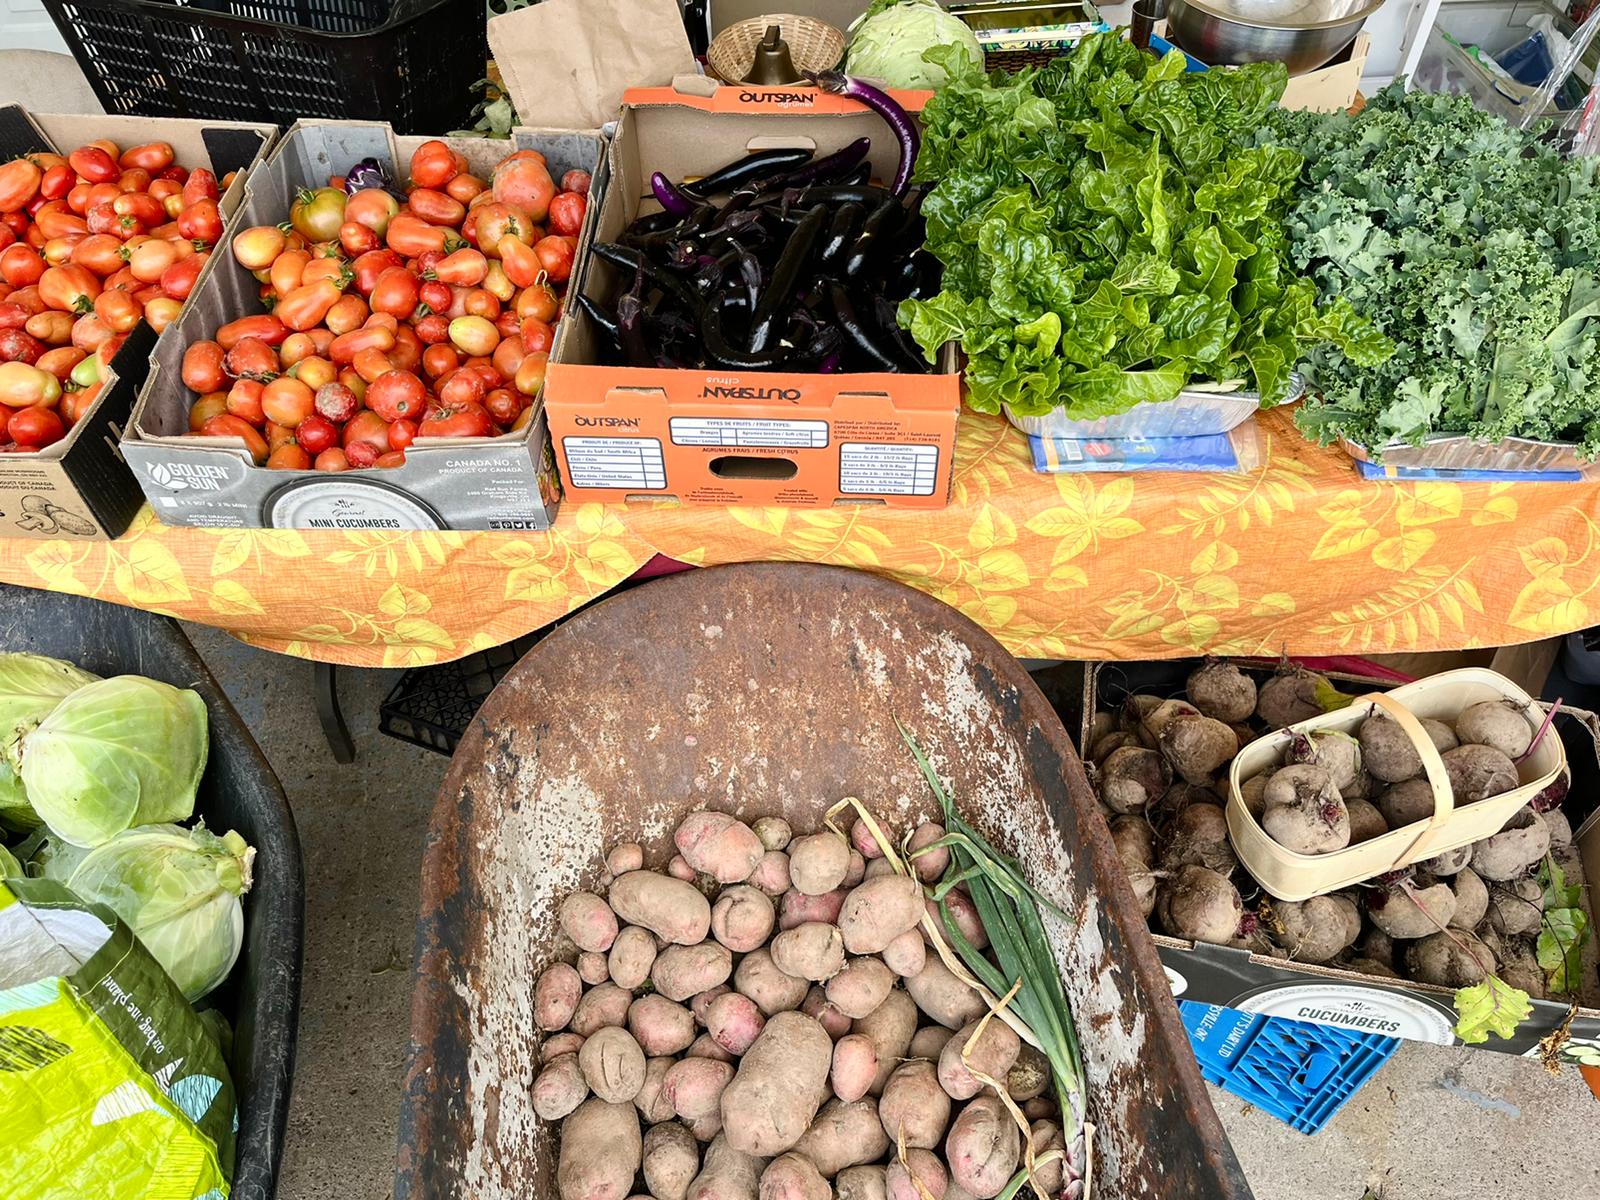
(1433, 767)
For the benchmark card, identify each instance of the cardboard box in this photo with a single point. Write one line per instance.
(80, 488)
(1399, 1008)
(506, 482)
(732, 437)
(1331, 88)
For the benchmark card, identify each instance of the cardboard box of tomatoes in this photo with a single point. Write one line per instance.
(114, 235)
(764, 366)
(370, 352)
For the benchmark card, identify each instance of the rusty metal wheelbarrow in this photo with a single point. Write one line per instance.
(756, 689)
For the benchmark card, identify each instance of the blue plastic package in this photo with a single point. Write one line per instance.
(1385, 474)
(1216, 452)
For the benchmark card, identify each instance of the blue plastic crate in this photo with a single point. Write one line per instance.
(1300, 1072)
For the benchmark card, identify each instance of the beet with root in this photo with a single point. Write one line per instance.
(1338, 754)
(1221, 691)
(1366, 822)
(1499, 724)
(1197, 747)
(1407, 802)
(1521, 842)
(1198, 837)
(1289, 697)
(1201, 905)
(1516, 907)
(1163, 714)
(1304, 812)
(1133, 778)
(1314, 930)
(1408, 911)
(1454, 960)
(1478, 772)
(1136, 847)
(1472, 899)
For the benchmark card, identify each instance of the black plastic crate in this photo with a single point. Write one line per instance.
(432, 706)
(407, 62)
(261, 997)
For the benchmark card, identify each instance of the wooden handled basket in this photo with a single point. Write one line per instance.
(1292, 876)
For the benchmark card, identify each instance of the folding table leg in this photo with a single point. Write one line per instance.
(325, 688)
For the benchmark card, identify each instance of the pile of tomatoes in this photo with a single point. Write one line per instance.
(389, 322)
(90, 244)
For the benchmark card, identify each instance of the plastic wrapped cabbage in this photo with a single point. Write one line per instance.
(178, 890)
(31, 685)
(890, 38)
(114, 754)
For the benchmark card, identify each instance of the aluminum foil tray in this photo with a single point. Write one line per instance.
(1452, 452)
(1189, 414)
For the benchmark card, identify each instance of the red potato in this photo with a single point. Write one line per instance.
(631, 957)
(771, 875)
(864, 1183)
(589, 922)
(983, 1148)
(678, 867)
(601, 1150)
(700, 1003)
(695, 1086)
(929, 1042)
(922, 1175)
(705, 1046)
(734, 1022)
(773, 991)
(669, 908)
(556, 1045)
(624, 858)
(559, 1088)
(780, 1085)
(793, 1177)
(818, 863)
(592, 968)
(813, 951)
(861, 838)
(930, 864)
(943, 997)
(860, 987)
(671, 1160)
(555, 997)
(775, 833)
(818, 1006)
(601, 1006)
(660, 1026)
(682, 971)
(914, 1107)
(855, 1065)
(613, 1065)
(728, 1173)
(705, 1129)
(1045, 1137)
(651, 1101)
(856, 871)
(878, 911)
(890, 1028)
(845, 1134)
(742, 919)
(719, 845)
(797, 908)
(907, 954)
(991, 1052)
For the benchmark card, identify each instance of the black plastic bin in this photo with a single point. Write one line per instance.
(409, 62)
(261, 998)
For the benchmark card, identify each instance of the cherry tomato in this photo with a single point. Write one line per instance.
(566, 213)
(402, 433)
(470, 420)
(231, 426)
(316, 434)
(336, 403)
(36, 428)
(397, 394)
(433, 165)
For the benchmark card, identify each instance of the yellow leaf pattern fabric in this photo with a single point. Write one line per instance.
(1298, 555)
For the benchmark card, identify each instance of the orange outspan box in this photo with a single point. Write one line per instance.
(740, 437)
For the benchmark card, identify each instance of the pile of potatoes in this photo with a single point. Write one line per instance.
(764, 1020)
(1161, 765)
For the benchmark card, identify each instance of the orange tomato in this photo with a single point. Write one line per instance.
(100, 253)
(286, 401)
(308, 304)
(244, 400)
(162, 311)
(19, 184)
(69, 288)
(228, 425)
(346, 346)
(264, 327)
(523, 180)
(119, 310)
(212, 404)
(347, 313)
(60, 361)
(256, 247)
(288, 271)
(149, 260)
(25, 386)
(52, 328)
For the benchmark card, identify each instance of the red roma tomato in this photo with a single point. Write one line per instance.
(55, 220)
(59, 362)
(530, 374)
(495, 221)
(288, 271)
(289, 457)
(231, 426)
(152, 157)
(203, 367)
(251, 358)
(119, 310)
(435, 295)
(401, 434)
(178, 280)
(149, 260)
(92, 162)
(362, 455)
(368, 427)
(75, 406)
(496, 281)
(201, 185)
(407, 351)
(524, 181)
(369, 364)
(464, 187)
(23, 385)
(140, 206)
(346, 346)
(69, 289)
(503, 405)
(333, 269)
(462, 386)
(566, 213)
(396, 293)
(538, 302)
(91, 333)
(520, 263)
(464, 268)
(296, 346)
(336, 403)
(165, 189)
(244, 401)
(7, 235)
(433, 165)
(436, 208)
(316, 434)
(509, 325)
(556, 255)
(201, 222)
(469, 420)
(537, 336)
(396, 395)
(255, 248)
(576, 181)
(433, 329)
(287, 402)
(318, 213)
(57, 182)
(480, 303)
(507, 357)
(162, 311)
(332, 459)
(308, 304)
(36, 428)
(356, 239)
(410, 237)
(19, 184)
(21, 266)
(134, 180)
(348, 313)
(372, 207)
(263, 327)
(369, 268)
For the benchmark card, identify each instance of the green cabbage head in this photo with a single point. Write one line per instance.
(31, 685)
(889, 41)
(114, 754)
(178, 890)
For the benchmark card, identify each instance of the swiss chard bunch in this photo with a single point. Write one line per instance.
(1109, 236)
(1471, 245)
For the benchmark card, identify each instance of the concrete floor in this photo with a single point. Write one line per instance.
(1433, 1124)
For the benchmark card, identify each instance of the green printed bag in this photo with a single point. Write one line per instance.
(110, 1084)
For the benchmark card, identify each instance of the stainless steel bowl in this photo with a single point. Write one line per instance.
(1301, 34)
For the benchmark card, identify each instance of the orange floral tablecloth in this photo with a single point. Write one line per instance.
(1299, 555)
